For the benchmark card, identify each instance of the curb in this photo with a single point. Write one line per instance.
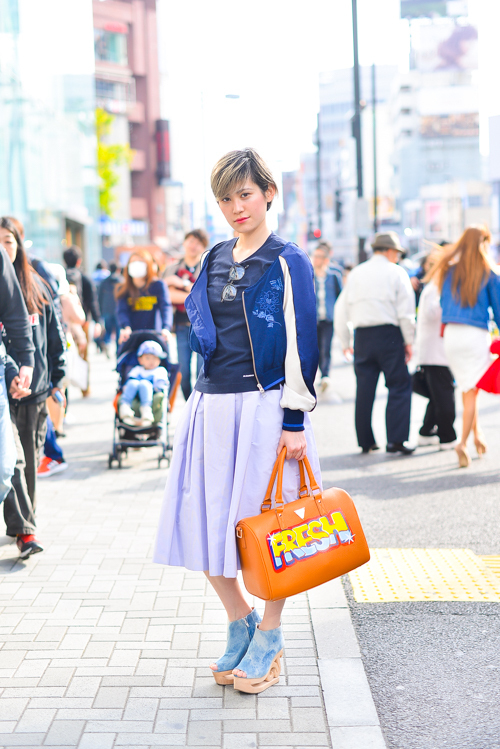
(351, 715)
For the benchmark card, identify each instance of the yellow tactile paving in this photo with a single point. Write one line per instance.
(493, 563)
(426, 575)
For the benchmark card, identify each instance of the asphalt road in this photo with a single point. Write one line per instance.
(433, 667)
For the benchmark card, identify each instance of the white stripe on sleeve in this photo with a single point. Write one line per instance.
(296, 394)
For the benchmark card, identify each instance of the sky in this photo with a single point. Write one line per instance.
(270, 54)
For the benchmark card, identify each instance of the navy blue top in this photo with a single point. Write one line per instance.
(231, 368)
(150, 310)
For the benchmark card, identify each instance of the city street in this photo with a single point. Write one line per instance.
(100, 648)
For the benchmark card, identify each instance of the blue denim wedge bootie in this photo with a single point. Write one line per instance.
(239, 637)
(261, 662)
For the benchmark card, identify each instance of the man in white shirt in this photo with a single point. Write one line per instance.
(379, 302)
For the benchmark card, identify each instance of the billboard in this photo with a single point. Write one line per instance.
(432, 8)
(450, 126)
(447, 46)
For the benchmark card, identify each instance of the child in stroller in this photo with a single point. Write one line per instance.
(147, 378)
(139, 423)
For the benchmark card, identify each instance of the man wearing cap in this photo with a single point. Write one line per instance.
(379, 301)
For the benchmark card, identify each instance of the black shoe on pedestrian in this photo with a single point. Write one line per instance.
(28, 545)
(399, 447)
(366, 450)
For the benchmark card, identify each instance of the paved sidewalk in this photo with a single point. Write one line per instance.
(101, 648)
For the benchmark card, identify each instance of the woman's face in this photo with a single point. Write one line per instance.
(137, 270)
(245, 209)
(8, 241)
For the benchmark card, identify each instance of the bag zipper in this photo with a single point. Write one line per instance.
(259, 386)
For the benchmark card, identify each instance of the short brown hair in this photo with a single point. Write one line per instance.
(235, 167)
(200, 235)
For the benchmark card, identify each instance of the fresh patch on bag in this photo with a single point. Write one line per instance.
(307, 539)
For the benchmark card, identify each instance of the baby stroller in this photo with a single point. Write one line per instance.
(155, 434)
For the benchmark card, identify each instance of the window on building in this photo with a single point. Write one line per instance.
(407, 133)
(406, 110)
(114, 95)
(110, 47)
(475, 201)
(405, 89)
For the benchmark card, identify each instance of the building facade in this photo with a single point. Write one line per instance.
(127, 85)
(48, 177)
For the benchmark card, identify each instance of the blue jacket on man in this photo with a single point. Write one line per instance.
(281, 322)
(333, 287)
(478, 316)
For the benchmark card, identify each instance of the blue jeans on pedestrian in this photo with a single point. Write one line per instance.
(142, 388)
(110, 326)
(184, 354)
(8, 454)
(51, 448)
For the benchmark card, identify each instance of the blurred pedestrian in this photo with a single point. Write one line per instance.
(328, 286)
(101, 272)
(53, 458)
(180, 278)
(14, 326)
(433, 378)
(379, 301)
(470, 286)
(29, 413)
(41, 266)
(87, 294)
(143, 301)
(107, 304)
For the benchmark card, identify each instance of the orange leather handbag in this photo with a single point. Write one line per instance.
(301, 544)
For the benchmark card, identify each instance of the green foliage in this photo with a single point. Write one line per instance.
(109, 156)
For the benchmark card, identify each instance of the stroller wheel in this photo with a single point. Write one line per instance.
(110, 461)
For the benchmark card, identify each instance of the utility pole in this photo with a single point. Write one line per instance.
(374, 122)
(357, 121)
(318, 177)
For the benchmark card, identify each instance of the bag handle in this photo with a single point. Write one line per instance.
(312, 481)
(278, 472)
(277, 469)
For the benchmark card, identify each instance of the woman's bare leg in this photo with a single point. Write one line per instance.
(469, 416)
(479, 440)
(229, 591)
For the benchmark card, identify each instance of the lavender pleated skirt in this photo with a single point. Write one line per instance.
(224, 452)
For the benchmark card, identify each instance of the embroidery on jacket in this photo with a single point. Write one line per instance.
(269, 303)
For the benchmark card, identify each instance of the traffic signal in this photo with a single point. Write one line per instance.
(338, 206)
(313, 234)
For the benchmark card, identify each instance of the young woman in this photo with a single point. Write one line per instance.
(253, 316)
(29, 413)
(469, 287)
(143, 301)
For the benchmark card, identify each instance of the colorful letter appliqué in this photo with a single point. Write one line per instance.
(312, 537)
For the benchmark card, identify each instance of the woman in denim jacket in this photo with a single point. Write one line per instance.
(252, 311)
(470, 288)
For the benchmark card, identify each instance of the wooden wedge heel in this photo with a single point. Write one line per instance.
(259, 684)
(224, 678)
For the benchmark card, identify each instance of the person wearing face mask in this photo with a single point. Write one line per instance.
(143, 301)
